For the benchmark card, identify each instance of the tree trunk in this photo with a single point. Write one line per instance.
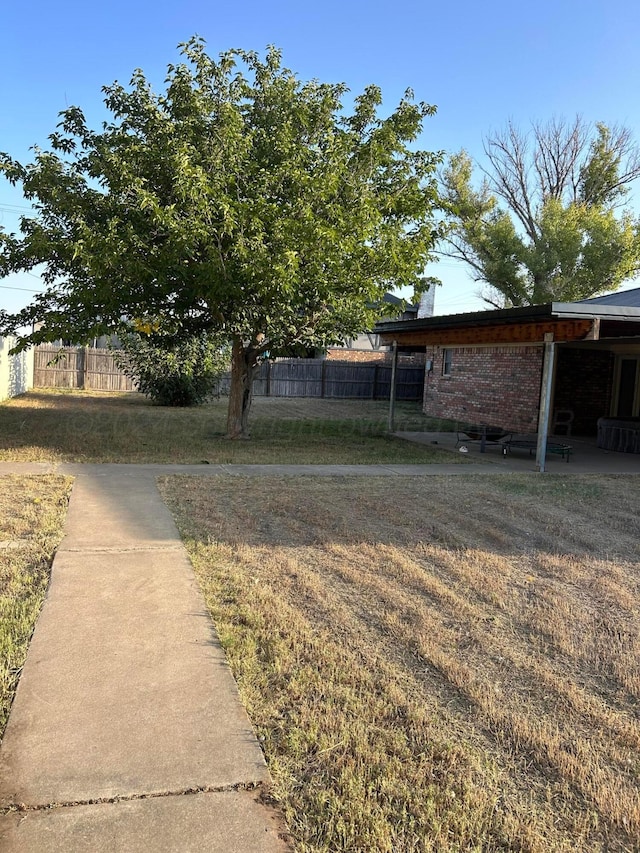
(243, 365)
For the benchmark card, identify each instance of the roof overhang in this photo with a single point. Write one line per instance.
(600, 311)
(564, 321)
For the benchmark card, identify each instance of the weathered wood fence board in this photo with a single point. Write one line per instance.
(88, 368)
(78, 367)
(337, 379)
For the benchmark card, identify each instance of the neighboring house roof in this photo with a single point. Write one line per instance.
(625, 298)
(392, 299)
(404, 310)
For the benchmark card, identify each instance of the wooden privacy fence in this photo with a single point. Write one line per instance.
(89, 368)
(78, 367)
(337, 379)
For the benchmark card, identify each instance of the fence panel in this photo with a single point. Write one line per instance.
(295, 378)
(409, 383)
(260, 387)
(102, 373)
(57, 367)
(78, 367)
(344, 380)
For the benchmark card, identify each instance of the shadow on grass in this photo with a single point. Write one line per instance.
(92, 427)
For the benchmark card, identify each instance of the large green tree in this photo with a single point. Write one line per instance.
(548, 219)
(240, 201)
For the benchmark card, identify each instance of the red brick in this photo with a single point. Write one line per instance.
(495, 385)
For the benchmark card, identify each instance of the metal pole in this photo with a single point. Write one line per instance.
(545, 402)
(392, 389)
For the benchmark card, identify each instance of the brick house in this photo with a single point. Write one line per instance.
(489, 366)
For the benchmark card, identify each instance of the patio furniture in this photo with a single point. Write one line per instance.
(562, 420)
(621, 434)
(531, 444)
(482, 434)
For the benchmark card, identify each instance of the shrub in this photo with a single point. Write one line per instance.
(171, 371)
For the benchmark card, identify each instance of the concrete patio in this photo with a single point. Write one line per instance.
(585, 458)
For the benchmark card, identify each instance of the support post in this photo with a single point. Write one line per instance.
(85, 368)
(392, 389)
(80, 366)
(545, 401)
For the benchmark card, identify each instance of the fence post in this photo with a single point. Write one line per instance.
(79, 382)
(85, 369)
(323, 378)
(374, 384)
(392, 389)
(267, 387)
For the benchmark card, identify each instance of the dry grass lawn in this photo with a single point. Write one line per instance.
(78, 426)
(32, 511)
(433, 664)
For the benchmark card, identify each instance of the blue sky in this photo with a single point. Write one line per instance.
(480, 63)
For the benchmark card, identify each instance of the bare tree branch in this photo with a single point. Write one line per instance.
(541, 223)
(508, 177)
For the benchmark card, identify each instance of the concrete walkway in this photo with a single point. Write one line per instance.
(127, 733)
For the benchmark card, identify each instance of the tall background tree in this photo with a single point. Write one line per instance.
(239, 202)
(548, 220)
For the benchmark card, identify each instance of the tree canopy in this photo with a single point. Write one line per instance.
(240, 201)
(547, 222)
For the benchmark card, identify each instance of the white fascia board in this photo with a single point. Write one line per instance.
(590, 312)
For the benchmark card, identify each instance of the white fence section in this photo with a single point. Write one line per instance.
(16, 371)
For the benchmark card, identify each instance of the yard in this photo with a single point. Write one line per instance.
(78, 426)
(430, 663)
(433, 664)
(31, 517)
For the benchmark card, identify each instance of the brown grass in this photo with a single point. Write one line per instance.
(433, 664)
(32, 512)
(77, 426)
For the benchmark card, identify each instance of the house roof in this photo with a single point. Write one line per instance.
(392, 299)
(564, 322)
(623, 298)
(623, 306)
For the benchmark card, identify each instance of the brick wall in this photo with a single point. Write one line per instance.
(584, 385)
(373, 357)
(495, 385)
(357, 355)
